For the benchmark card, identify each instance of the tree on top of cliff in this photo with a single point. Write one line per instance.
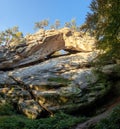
(56, 25)
(41, 24)
(9, 35)
(72, 25)
(104, 23)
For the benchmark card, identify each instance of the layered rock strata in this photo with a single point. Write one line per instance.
(64, 83)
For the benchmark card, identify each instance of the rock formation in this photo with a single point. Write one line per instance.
(37, 83)
(40, 45)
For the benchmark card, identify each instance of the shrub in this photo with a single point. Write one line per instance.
(58, 121)
(6, 109)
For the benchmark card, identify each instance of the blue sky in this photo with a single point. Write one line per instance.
(24, 13)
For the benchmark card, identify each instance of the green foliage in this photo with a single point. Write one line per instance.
(9, 35)
(72, 25)
(116, 71)
(41, 24)
(6, 109)
(58, 121)
(56, 25)
(59, 80)
(103, 23)
(13, 122)
(112, 122)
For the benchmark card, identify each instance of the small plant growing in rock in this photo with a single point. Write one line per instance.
(59, 80)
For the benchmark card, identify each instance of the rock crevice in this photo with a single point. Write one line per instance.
(62, 83)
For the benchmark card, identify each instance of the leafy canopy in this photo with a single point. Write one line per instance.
(104, 23)
(41, 24)
(9, 35)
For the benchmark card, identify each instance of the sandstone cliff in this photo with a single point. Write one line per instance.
(36, 81)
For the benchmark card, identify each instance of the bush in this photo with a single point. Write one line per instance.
(6, 109)
(12, 122)
(58, 121)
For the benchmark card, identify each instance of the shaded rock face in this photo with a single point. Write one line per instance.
(62, 83)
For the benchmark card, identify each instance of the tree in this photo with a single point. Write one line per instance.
(56, 25)
(104, 23)
(72, 25)
(10, 35)
(41, 24)
(52, 27)
(68, 24)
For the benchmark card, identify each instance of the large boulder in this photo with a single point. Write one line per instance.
(78, 41)
(64, 83)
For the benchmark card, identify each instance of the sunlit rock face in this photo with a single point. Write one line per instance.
(64, 82)
(41, 45)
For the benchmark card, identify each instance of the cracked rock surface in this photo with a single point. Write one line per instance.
(61, 83)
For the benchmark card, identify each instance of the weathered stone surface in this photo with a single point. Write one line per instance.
(14, 93)
(63, 83)
(40, 45)
(78, 41)
(39, 74)
(30, 108)
(5, 79)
